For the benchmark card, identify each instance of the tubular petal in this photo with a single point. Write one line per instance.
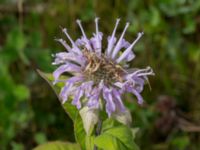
(65, 68)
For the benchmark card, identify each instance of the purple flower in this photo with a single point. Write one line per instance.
(99, 75)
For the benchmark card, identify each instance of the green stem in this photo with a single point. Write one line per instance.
(98, 131)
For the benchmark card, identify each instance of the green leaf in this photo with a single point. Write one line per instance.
(70, 109)
(57, 145)
(123, 134)
(106, 142)
(109, 123)
(79, 131)
(115, 136)
(49, 78)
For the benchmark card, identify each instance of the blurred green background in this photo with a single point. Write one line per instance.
(30, 113)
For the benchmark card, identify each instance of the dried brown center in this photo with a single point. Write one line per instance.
(101, 68)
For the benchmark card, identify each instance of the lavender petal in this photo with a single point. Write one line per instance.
(65, 68)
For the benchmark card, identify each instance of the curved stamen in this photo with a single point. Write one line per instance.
(146, 73)
(142, 72)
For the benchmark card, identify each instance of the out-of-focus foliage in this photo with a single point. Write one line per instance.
(58, 146)
(31, 114)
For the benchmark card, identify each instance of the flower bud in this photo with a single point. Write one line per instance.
(123, 117)
(89, 117)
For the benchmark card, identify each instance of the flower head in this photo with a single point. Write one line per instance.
(98, 73)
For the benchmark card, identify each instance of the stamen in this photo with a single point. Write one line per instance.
(84, 35)
(97, 34)
(117, 47)
(146, 73)
(142, 72)
(96, 24)
(80, 25)
(111, 44)
(64, 30)
(127, 51)
(63, 42)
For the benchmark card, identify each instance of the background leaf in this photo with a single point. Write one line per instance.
(57, 145)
